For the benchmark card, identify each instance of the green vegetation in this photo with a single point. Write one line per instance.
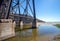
(58, 25)
(58, 37)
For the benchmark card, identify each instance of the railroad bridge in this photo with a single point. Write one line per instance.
(18, 10)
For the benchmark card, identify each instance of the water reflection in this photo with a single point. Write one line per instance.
(42, 33)
(44, 30)
(34, 31)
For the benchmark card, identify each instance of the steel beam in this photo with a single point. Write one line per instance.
(34, 14)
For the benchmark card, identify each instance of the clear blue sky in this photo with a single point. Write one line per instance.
(48, 10)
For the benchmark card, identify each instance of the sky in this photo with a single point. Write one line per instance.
(48, 10)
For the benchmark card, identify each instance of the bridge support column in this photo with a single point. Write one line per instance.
(34, 14)
(21, 25)
(7, 29)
